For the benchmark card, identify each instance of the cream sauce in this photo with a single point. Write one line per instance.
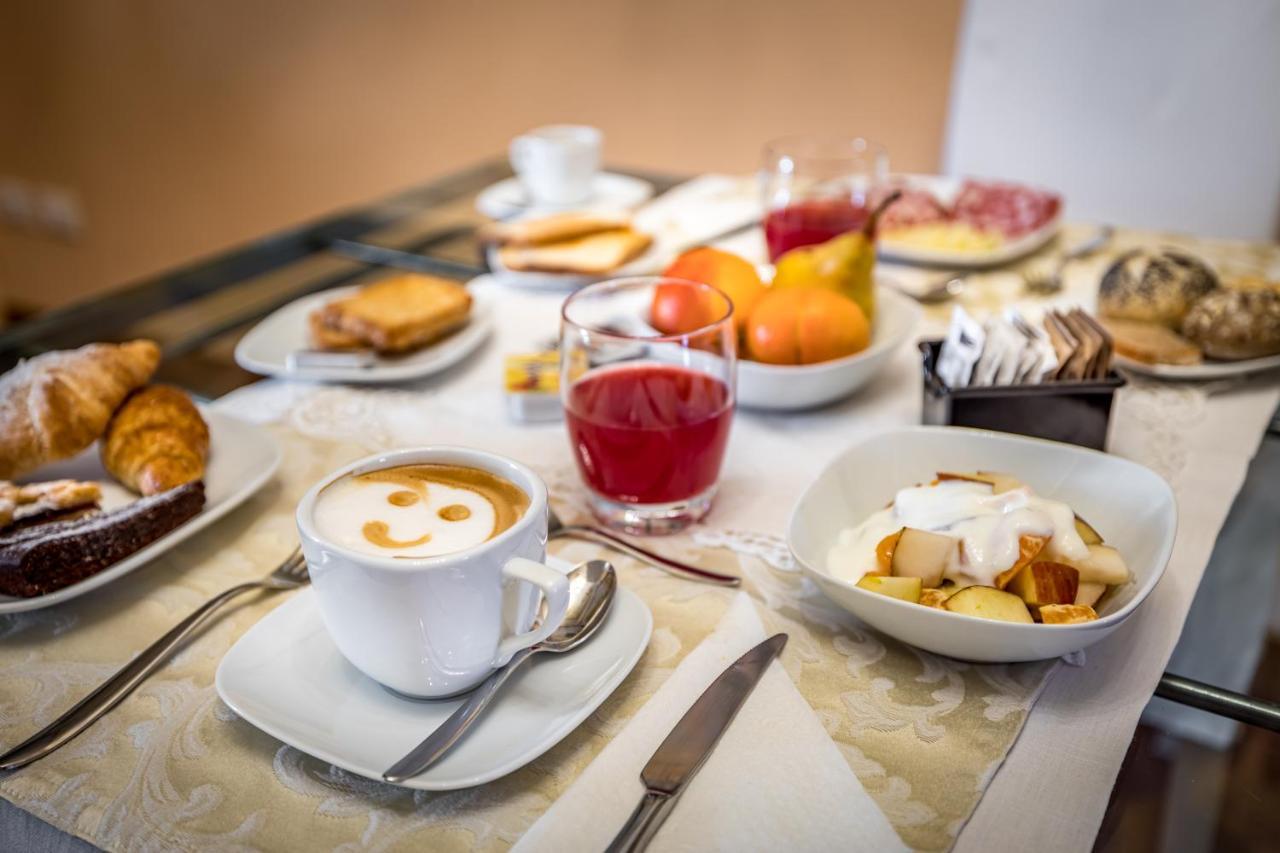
(989, 527)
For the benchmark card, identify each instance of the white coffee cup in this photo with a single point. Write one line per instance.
(557, 163)
(432, 627)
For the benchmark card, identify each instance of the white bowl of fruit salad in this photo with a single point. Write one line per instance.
(985, 546)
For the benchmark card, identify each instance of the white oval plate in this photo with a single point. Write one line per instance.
(286, 677)
(777, 387)
(242, 458)
(1208, 370)
(1131, 506)
(945, 187)
(266, 348)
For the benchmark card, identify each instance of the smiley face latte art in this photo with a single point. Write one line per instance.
(418, 510)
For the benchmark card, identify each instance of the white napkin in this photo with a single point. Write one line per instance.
(698, 210)
(776, 781)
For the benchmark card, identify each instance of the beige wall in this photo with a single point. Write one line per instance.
(187, 126)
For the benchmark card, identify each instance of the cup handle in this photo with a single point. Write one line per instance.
(555, 588)
(519, 153)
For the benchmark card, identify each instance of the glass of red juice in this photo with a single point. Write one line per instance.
(817, 188)
(648, 413)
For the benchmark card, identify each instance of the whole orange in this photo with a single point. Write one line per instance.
(803, 326)
(732, 275)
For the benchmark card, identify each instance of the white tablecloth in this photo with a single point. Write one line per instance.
(1051, 792)
(1070, 751)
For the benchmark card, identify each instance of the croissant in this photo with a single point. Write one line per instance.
(156, 441)
(55, 405)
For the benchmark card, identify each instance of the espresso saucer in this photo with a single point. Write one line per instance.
(609, 191)
(286, 677)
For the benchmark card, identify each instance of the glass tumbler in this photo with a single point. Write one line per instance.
(647, 380)
(817, 188)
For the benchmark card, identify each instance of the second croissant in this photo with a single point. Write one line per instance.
(156, 441)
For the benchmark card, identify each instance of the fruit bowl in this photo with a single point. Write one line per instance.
(789, 387)
(1133, 506)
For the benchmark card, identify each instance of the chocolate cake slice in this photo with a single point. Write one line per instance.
(39, 560)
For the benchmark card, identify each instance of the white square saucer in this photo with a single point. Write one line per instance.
(286, 677)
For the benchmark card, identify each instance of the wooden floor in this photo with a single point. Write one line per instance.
(1225, 802)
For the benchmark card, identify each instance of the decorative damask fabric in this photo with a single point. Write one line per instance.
(172, 768)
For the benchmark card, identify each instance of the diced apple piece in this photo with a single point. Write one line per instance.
(884, 552)
(907, 589)
(1001, 483)
(1044, 582)
(987, 602)
(1103, 565)
(1066, 614)
(1087, 533)
(922, 554)
(1089, 593)
(935, 597)
(1029, 547)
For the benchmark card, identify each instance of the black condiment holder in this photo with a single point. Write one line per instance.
(1075, 412)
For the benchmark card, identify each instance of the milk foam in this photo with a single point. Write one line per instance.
(344, 508)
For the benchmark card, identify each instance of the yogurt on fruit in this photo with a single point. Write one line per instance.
(989, 527)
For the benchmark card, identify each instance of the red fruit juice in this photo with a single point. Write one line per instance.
(808, 223)
(649, 433)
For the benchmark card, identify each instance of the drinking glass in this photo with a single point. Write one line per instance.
(817, 188)
(648, 413)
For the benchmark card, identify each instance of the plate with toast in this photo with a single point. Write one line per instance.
(101, 471)
(567, 250)
(398, 328)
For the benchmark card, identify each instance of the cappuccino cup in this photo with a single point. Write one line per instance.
(429, 565)
(557, 163)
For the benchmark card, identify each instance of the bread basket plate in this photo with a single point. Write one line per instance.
(1200, 372)
(242, 458)
(267, 347)
(945, 187)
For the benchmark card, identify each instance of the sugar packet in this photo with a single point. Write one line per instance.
(960, 350)
(1000, 354)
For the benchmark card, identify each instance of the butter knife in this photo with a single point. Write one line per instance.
(686, 748)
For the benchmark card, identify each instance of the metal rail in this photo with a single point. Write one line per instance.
(1224, 703)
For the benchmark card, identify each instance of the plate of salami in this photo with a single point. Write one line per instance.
(966, 222)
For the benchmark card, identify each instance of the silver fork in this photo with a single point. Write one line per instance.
(557, 529)
(290, 574)
(1036, 280)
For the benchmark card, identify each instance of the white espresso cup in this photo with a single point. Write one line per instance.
(431, 627)
(557, 163)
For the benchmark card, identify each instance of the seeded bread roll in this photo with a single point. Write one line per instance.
(1156, 287)
(1236, 324)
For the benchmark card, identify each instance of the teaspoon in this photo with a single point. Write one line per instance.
(591, 588)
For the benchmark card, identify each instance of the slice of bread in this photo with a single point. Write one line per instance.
(394, 315)
(323, 337)
(594, 254)
(1149, 342)
(551, 229)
